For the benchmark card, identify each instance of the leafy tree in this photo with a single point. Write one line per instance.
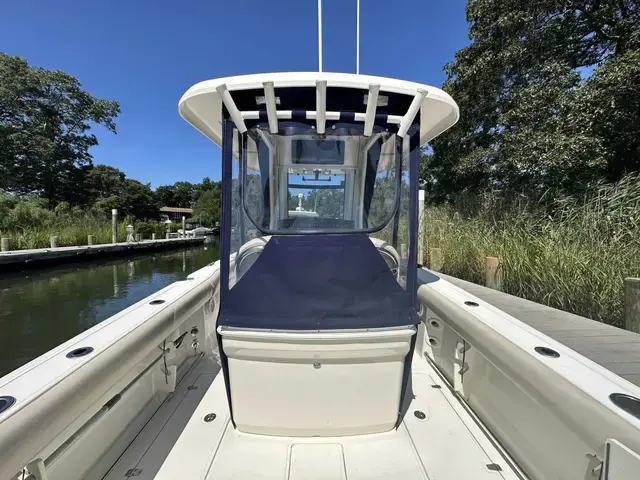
(529, 121)
(206, 185)
(45, 130)
(180, 194)
(103, 180)
(184, 194)
(207, 210)
(165, 195)
(608, 106)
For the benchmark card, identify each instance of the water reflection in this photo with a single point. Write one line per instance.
(43, 308)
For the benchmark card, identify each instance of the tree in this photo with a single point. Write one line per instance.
(608, 106)
(132, 198)
(206, 185)
(139, 200)
(45, 130)
(184, 194)
(207, 209)
(103, 181)
(165, 196)
(529, 121)
(180, 194)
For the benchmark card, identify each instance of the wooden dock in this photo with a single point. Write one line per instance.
(19, 259)
(615, 349)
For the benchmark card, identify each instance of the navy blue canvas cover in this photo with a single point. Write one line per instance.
(318, 282)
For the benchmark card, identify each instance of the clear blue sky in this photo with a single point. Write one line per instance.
(147, 54)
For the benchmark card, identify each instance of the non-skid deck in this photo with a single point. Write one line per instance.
(437, 439)
(147, 452)
(615, 349)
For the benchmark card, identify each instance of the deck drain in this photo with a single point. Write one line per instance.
(547, 352)
(80, 352)
(192, 387)
(494, 467)
(628, 403)
(436, 386)
(6, 402)
(471, 304)
(419, 415)
(156, 302)
(209, 417)
(133, 472)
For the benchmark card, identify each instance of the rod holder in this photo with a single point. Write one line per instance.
(372, 105)
(270, 100)
(234, 113)
(321, 105)
(414, 108)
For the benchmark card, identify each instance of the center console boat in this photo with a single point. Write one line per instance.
(316, 347)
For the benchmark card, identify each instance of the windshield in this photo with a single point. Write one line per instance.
(298, 181)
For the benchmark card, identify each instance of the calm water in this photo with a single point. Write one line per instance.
(40, 309)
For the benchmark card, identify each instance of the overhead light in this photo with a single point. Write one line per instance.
(261, 100)
(383, 100)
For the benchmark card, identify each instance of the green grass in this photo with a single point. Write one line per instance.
(69, 235)
(72, 233)
(574, 260)
(29, 223)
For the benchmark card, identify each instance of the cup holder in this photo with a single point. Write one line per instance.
(6, 402)
(79, 352)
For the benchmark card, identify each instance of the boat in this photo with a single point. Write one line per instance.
(316, 347)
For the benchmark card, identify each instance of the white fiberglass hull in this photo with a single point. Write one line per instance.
(144, 404)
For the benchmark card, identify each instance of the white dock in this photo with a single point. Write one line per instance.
(17, 259)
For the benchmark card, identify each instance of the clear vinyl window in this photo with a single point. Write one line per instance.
(298, 181)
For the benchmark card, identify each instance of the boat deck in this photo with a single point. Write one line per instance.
(145, 454)
(421, 448)
(613, 348)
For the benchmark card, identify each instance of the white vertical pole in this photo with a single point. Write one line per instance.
(320, 35)
(358, 37)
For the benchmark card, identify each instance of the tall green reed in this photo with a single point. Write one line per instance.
(574, 258)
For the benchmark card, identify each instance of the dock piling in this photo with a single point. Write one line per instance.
(153, 236)
(89, 239)
(493, 273)
(114, 225)
(5, 244)
(184, 226)
(436, 260)
(55, 240)
(632, 304)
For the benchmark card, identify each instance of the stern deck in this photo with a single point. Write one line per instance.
(437, 439)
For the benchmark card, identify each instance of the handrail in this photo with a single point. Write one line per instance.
(46, 389)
